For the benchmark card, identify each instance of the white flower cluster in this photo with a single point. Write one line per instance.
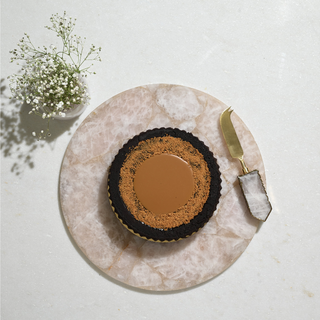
(51, 79)
(50, 87)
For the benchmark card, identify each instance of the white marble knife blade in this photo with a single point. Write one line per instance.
(250, 182)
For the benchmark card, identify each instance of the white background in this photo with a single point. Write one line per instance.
(260, 57)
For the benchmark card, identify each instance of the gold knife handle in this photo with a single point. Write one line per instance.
(255, 195)
(243, 165)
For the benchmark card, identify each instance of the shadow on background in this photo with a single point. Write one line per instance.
(17, 125)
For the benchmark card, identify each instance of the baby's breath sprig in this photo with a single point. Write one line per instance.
(50, 80)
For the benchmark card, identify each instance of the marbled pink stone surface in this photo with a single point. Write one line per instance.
(91, 221)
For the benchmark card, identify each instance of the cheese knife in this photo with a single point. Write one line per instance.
(250, 182)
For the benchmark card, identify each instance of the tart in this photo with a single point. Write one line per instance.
(164, 184)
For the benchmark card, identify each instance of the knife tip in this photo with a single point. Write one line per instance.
(228, 110)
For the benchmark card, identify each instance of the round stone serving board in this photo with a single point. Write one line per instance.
(94, 226)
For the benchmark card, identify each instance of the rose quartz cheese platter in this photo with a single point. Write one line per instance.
(93, 224)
